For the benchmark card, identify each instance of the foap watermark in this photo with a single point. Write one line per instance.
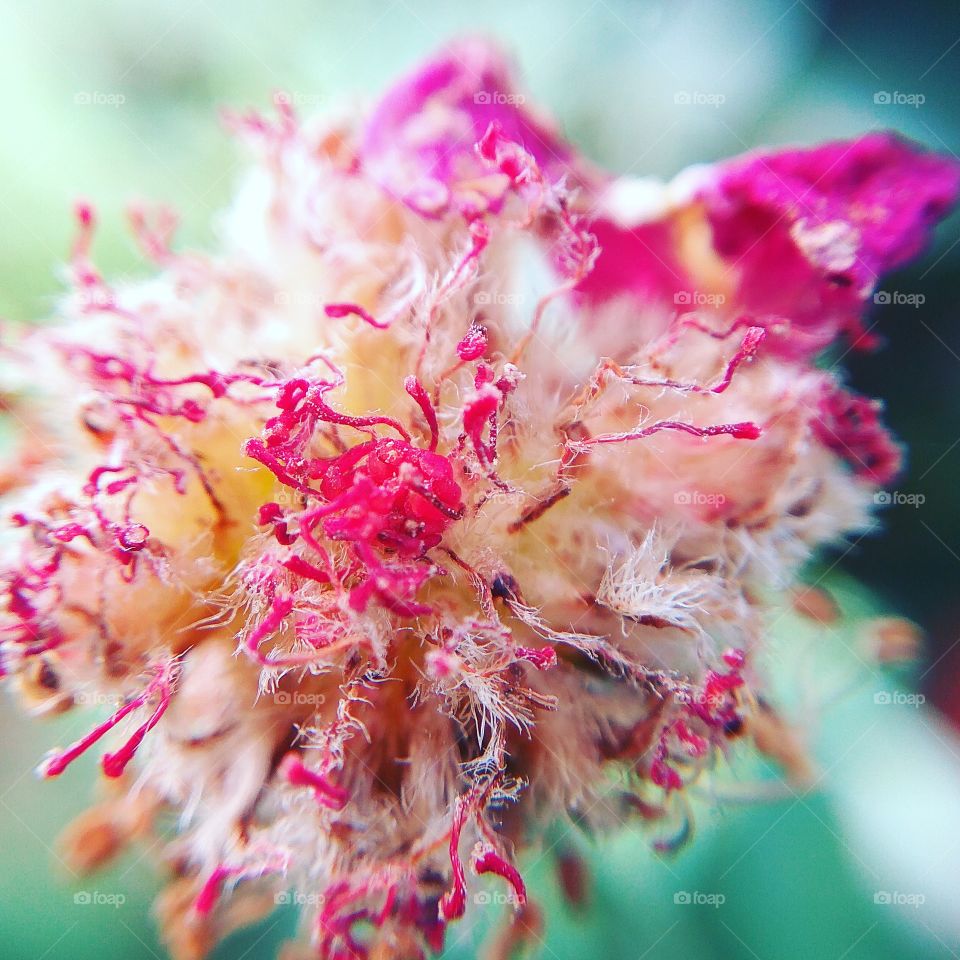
(297, 298)
(895, 898)
(499, 98)
(290, 498)
(98, 698)
(898, 498)
(500, 897)
(899, 698)
(899, 298)
(89, 300)
(697, 696)
(897, 98)
(698, 498)
(98, 898)
(486, 298)
(698, 298)
(298, 899)
(299, 698)
(699, 899)
(98, 98)
(698, 98)
(512, 496)
(296, 98)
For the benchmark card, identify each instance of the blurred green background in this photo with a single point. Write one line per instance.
(115, 100)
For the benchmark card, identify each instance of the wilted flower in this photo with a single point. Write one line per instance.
(446, 500)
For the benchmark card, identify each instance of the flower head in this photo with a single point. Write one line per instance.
(445, 499)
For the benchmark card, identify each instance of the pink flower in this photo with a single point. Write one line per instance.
(460, 477)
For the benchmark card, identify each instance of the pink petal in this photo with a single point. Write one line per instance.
(809, 232)
(419, 141)
(801, 235)
(640, 260)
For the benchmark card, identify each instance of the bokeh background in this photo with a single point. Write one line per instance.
(116, 100)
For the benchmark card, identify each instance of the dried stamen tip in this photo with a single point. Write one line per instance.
(474, 344)
(487, 860)
(328, 794)
(338, 310)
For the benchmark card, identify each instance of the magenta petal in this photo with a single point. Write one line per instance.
(811, 231)
(419, 142)
(640, 260)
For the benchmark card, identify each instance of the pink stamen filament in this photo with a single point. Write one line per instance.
(453, 903)
(740, 431)
(416, 390)
(339, 310)
(327, 794)
(747, 350)
(212, 889)
(269, 625)
(114, 763)
(489, 861)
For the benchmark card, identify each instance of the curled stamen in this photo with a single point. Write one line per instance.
(338, 310)
(328, 794)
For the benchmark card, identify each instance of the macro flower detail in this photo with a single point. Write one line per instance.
(446, 499)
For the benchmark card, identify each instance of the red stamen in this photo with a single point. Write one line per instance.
(740, 431)
(268, 626)
(413, 386)
(474, 344)
(113, 764)
(212, 889)
(747, 351)
(454, 902)
(327, 794)
(55, 765)
(543, 658)
(489, 861)
(339, 310)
